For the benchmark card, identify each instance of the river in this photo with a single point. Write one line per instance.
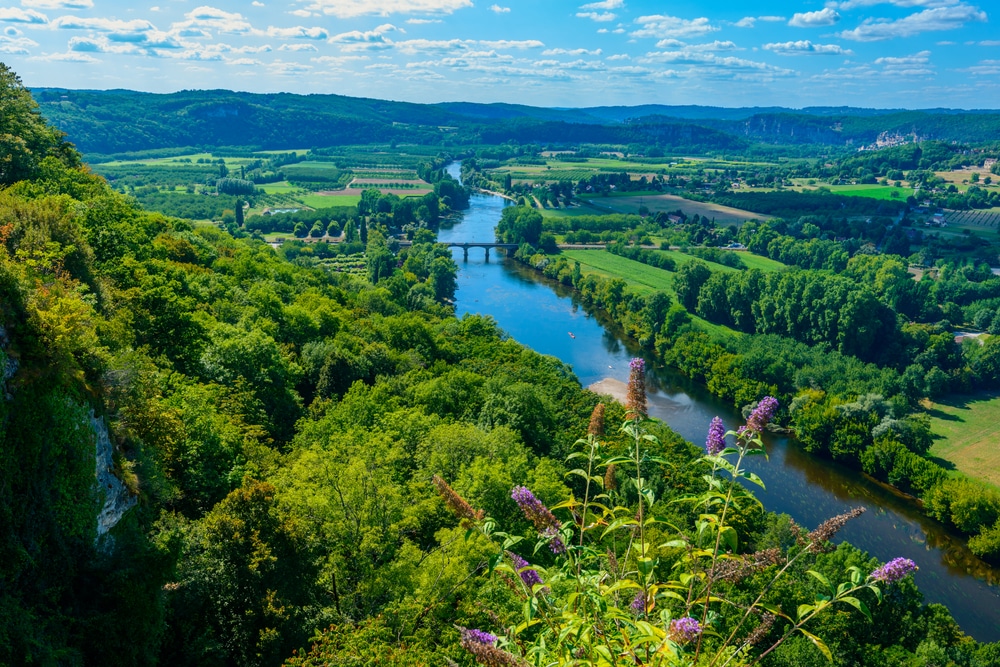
(541, 314)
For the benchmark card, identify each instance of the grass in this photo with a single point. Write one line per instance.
(329, 201)
(629, 202)
(641, 278)
(965, 429)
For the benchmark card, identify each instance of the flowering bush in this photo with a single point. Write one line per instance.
(614, 598)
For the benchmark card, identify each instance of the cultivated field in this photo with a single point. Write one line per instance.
(981, 219)
(655, 202)
(966, 433)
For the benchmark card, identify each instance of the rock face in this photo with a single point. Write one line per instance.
(117, 499)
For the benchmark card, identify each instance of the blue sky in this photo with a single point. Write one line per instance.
(872, 53)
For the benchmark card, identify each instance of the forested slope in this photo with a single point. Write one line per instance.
(277, 429)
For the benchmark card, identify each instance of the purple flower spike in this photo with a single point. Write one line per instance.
(762, 414)
(894, 570)
(635, 399)
(638, 605)
(535, 511)
(716, 440)
(683, 630)
(479, 637)
(528, 576)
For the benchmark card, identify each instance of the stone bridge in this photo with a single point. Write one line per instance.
(465, 247)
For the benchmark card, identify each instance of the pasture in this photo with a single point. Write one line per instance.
(873, 191)
(965, 432)
(656, 202)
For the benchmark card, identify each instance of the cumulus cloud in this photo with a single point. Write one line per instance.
(58, 4)
(256, 3)
(671, 27)
(817, 19)
(357, 40)
(604, 4)
(497, 9)
(16, 45)
(297, 47)
(206, 17)
(806, 48)
(918, 64)
(853, 4)
(751, 21)
(571, 52)
(352, 8)
(69, 57)
(298, 32)
(601, 17)
(17, 15)
(133, 27)
(422, 21)
(940, 18)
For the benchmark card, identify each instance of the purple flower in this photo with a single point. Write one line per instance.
(635, 399)
(716, 440)
(683, 630)
(762, 414)
(894, 570)
(479, 637)
(638, 605)
(528, 576)
(535, 511)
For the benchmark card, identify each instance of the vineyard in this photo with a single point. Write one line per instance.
(981, 219)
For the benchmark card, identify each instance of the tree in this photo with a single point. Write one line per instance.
(688, 282)
(239, 212)
(519, 224)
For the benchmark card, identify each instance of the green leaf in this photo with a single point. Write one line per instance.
(804, 609)
(730, 538)
(821, 578)
(754, 478)
(818, 643)
(857, 604)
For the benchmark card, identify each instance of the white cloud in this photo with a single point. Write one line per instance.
(620, 56)
(282, 68)
(337, 60)
(918, 64)
(244, 62)
(422, 21)
(571, 52)
(16, 45)
(984, 68)
(989, 42)
(352, 8)
(256, 3)
(594, 16)
(206, 17)
(817, 19)
(17, 15)
(497, 9)
(357, 40)
(711, 46)
(301, 13)
(133, 27)
(604, 4)
(67, 58)
(667, 27)
(298, 32)
(509, 43)
(940, 18)
(751, 21)
(852, 4)
(297, 47)
(806, 48)
(58, 4)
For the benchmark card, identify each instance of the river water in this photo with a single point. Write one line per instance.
(541, 314)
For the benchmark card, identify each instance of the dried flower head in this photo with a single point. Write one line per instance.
(894, 570)
(735, 569)
(762, 414)
(481, 645)
(457, 503)
(610, 481)
(716, 440)
(818, 538)
(596, 427)
(683, 630)
(760, 632)
(635, 398)
(612, 563)
(528, 576)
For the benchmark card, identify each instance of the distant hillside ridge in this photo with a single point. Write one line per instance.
(118, 121)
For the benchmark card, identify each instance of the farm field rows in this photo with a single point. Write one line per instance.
(981, 219)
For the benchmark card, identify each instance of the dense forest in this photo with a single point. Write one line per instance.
(219, 453)
(119, 121)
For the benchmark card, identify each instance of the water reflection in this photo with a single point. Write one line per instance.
(541, 314)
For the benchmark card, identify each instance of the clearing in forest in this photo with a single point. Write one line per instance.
(965, 432)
